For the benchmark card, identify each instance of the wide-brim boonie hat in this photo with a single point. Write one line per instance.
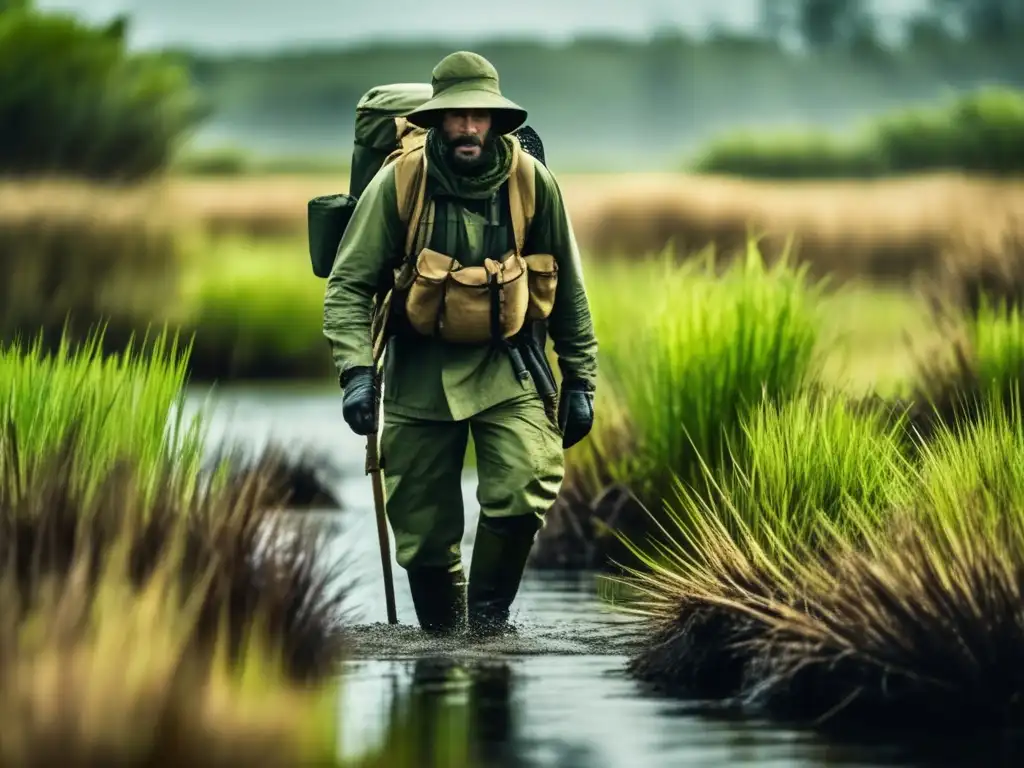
(466, 80)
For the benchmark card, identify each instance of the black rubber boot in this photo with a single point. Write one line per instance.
(499, 558)
(439, 597)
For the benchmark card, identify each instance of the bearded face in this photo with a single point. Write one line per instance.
(467, 139)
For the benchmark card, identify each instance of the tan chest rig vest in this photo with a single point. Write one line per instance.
(444, 299)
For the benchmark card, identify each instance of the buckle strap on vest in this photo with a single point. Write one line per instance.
(494, 288)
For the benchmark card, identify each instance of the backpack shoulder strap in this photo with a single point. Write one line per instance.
(411, 181)
(522, 192)
(410, 188)
(408, 135)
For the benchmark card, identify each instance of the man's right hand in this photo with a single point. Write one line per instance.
(359, 406)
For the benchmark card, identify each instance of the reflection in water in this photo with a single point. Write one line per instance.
(460, 713)
(441, 711)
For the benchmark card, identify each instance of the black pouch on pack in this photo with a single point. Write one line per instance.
(327, 218)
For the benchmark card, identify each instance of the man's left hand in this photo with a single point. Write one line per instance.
(575, 412)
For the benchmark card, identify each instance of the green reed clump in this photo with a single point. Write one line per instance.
(806, 470)
(997, 338)
(802, 464)
(977, 466)
(688, 353)
(988, 361)
(112, 407)
(921, 625)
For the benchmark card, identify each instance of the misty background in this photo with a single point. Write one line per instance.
(609, 84)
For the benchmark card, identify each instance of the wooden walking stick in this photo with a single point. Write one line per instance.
(373, 469)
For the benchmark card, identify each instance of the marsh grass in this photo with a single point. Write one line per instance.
(154, 615)
(75, 254)
(808, 470)
(303, 479)
(921, 624)
(254, 311)
(688, 352)
(95, 454)
(984, 358)
(110, 407)
(107, 673)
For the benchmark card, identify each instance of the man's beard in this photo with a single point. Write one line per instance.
(468, 166)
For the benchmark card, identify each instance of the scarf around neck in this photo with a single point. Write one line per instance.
(476, 187)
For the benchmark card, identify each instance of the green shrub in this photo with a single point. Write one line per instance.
(982, 132)
(978, 132)
(222, 161)
(74, 101)
(788, 156)
(256, 313)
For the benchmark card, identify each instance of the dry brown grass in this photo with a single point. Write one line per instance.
(256, 206)
(68, 247)
(885, 229)
(103, 677)
(90, 251)
(891, 228)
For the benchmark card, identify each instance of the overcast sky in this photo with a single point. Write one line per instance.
(263, 24)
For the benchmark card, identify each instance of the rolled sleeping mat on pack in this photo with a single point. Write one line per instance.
(327, 217)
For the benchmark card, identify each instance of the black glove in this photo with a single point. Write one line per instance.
(575, 411)
(359, 405)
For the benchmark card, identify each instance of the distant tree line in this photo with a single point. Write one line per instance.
(74, 100)
(850, 24)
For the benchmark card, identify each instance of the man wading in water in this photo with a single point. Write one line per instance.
(468, 295)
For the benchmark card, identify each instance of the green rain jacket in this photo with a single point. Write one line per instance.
(425, 377)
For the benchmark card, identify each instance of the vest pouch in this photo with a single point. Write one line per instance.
(542, 277)
(467, 305)
(425, 296)
(485, 303)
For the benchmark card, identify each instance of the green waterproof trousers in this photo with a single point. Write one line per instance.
(520, 467)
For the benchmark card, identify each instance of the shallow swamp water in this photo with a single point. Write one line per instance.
(556, 694)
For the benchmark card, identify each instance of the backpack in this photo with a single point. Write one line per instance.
(380, 131)
(383, 136)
